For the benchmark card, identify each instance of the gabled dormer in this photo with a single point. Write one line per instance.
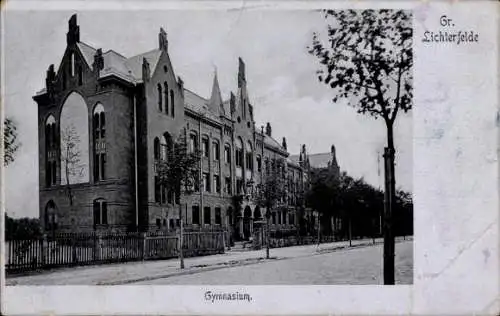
(75, 66)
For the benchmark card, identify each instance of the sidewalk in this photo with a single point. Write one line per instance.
(124, 273)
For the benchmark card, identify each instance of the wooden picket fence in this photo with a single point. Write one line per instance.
(74, 249)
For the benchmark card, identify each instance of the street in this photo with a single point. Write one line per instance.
(328, 263)
(357, 266)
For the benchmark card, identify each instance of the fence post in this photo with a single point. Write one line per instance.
(73, 249)
(44, 250)
(143, 236)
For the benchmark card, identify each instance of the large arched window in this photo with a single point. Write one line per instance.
(165, 86)
(50, 151)
(99, 130)
(172, 105)
(100, 212)
(74, 140)
(160, 96)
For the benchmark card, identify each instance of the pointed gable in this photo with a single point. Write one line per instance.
(215, 102)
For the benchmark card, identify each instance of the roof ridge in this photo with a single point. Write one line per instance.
(196, 94)
(88, 45)
(144, 53)
(114, 51)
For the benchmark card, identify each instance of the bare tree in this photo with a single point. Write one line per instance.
(10, 141)
(271, 192)
(178, 173)
(367, 59)
(70, 158)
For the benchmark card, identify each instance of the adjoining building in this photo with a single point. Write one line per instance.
(105, 120)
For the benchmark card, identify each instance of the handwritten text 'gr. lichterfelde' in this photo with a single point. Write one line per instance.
(449, 34)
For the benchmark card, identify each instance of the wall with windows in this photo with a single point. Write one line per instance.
(163, 114)
(96, 114)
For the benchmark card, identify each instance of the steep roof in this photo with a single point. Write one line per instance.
(134, 63)
(199, 105)
(129, 69)
(88, 53)
(320, 160)
(116, 64)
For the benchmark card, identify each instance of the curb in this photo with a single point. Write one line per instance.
(217, 266)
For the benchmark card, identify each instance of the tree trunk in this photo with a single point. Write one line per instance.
(267, 236)
(389, 198)
(181, 236)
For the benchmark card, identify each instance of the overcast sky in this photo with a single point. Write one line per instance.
(280, 73)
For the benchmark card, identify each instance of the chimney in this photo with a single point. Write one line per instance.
(283, 143)
(162, 40)
(73, 35)
(268, 129)
(180, 82)
(241, 73)
(145, 70)
(98, 60)
(49, 80)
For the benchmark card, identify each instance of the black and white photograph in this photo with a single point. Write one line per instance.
(213, 148)
(276, 153)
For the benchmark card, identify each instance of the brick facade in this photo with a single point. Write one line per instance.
(132, 94)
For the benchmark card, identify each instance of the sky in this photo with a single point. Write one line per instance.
(282, 84)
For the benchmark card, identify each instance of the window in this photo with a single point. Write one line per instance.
(160, 98)
(239, 186)
(193, 143)
(166, 146)
(228, 185)
(207, 215)
(249, 156)
(157, 190)
(206, 182)
(249, 161)
(158, 223)
(217, 183)
(72, 65)
(196, 182)
(99, 128)
(291, 219)
(172, 102)
(216, 150)
(50, 151)
(171, 223)
(227, 153)
(204, 147)
(170, 197)
(156, 149)
(195, 214)
(239, 153)
(100, 212)
(165, 85)
(218, 218)
(259, 164)
(274, 218)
